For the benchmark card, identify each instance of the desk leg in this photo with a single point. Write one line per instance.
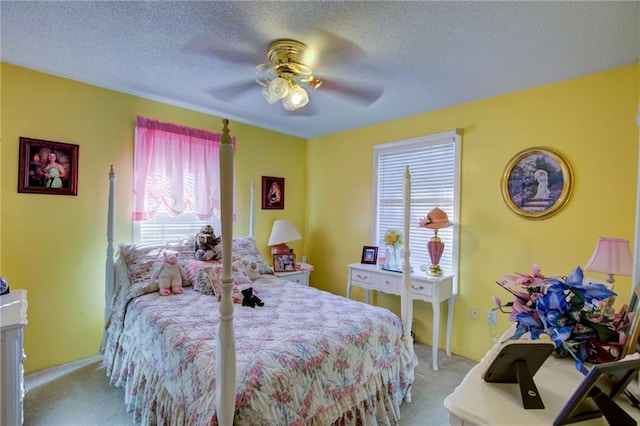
(349, 290)
(436, 332)
(366, 297)
(449, 324)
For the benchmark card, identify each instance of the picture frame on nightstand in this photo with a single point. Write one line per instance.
(284, 262)
(369, 255)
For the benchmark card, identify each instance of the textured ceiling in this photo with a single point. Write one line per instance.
(420, 55)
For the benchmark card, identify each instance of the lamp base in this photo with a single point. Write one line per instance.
(280, 249)
(435, 247)
(435, 270)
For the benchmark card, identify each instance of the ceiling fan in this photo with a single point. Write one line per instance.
(287, 75)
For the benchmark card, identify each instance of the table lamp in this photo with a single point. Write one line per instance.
(436, 219)
(281, 233)
(611, 256)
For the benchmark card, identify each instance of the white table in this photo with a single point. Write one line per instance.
(476, 402)
(13, 318)
(429, 289)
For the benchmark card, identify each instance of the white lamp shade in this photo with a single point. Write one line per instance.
(611, 256)
(283, 232)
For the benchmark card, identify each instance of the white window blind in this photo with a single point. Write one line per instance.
(434, 165)
(163, 227)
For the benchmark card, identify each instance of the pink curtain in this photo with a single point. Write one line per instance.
(176, 166)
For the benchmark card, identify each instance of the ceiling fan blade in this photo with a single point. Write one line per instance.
(205, 44)
(363, 94)
(230, 91)
(331, 49)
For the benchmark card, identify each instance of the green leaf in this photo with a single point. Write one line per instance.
(604, 333)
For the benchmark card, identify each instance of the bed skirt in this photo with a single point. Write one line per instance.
(151, 404)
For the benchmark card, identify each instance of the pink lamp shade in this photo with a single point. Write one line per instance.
(436, 219)
(612, 257)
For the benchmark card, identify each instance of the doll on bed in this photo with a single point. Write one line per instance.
(170, 274)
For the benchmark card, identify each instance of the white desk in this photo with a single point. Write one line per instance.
(429, 289)
(13, 318)
(476, 402)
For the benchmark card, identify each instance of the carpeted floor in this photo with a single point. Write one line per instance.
(79, 394)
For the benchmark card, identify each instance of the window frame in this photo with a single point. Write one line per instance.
(426, 141)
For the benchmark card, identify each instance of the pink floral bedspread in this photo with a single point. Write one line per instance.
(305, 357)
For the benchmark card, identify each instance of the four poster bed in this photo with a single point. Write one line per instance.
(199, 358)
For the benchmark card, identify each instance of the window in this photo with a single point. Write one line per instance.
(176, 181)
(164, 227)
(434, 165)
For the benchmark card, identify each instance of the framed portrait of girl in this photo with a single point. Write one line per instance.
(47, 167)
(272, 192)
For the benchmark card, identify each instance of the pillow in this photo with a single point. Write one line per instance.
(209, 279)
(242, 247)
(192, 267)
(141, 259)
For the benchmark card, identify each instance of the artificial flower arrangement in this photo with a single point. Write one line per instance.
(579, 318)
(393, 237)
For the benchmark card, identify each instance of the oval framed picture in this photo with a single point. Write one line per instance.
(537, 183)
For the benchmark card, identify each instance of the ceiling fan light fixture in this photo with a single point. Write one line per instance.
(297, 98)
(278, 88)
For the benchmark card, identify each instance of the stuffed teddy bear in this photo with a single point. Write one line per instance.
(170, 273)
(207, 245)
(251, 267)
(250, 299)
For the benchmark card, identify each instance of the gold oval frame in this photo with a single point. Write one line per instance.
(556, 168)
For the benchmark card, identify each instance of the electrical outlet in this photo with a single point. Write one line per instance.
(475, 313)
(491, 317)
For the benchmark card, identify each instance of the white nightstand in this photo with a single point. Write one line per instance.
(300, 275)
(429, 289)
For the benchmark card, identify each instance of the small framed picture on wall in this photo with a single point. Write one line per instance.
(272, 192)
(46, 167)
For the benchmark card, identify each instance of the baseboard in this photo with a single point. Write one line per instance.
(38, 378)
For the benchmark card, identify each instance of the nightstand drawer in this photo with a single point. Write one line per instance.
(422, 289)
(388, 281)
(361, 276)
(299, 278)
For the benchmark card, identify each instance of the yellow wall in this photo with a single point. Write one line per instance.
(591, 120)
(55, 246)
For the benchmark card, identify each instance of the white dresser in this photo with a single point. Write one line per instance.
(13, 318)
(429, 289)
(476, 402)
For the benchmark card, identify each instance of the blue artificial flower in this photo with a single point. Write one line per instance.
(573, 314)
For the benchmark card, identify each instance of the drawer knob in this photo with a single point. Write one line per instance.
(418, 288)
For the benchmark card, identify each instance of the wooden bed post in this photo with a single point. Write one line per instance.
(406, 292)
(110, 273)
(251, 207)
(226, 345)
(406, 295)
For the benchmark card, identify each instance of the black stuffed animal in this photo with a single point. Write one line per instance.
(249, 299)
